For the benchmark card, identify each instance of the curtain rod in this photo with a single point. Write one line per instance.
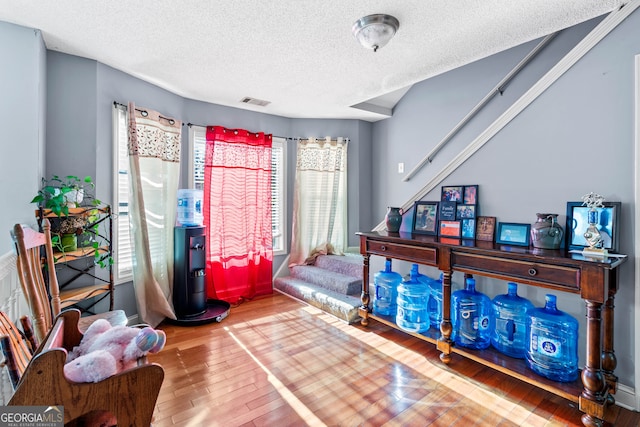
(144, 113)
(276, 136)
(203, 126)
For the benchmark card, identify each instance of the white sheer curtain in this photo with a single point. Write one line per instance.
(154, 159)
(320, 198)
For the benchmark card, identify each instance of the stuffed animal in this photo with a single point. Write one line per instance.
(106, 350)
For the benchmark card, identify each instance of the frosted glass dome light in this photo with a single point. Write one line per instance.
(375, 31)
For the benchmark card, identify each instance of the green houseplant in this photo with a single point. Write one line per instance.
(58, 194)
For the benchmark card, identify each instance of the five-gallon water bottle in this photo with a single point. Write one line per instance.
(415, 270)
(435, 303)
(386, 291)
(470, 313)
(552, 342)
(508, 322)
(413, 299)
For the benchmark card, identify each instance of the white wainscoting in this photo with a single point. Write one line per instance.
(13, 303)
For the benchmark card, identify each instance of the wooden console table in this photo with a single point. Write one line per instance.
(596, 281)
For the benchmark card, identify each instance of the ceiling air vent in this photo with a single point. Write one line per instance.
(254, 101)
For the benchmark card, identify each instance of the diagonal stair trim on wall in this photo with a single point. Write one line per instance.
(607, 25)
(497, 89)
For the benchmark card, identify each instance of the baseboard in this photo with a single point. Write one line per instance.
(133, 320)
(626, 397)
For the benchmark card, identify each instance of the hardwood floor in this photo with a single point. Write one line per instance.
(277, 362)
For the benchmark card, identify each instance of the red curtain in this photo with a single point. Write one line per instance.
(237, 214)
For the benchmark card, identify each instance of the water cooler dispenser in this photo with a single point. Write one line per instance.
(189, 290)
(190, 302)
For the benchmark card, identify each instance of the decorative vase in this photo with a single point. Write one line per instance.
(74, 197)
(545, 232)
(68, 242)
(393, 219)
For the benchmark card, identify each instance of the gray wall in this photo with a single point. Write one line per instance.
(577, 137)
(22, 108)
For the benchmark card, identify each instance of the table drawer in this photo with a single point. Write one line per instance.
(420, 255)
(527, 271)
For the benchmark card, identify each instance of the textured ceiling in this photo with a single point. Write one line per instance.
(298, 54)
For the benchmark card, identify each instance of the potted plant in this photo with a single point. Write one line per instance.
(70, 228)
(59, 194)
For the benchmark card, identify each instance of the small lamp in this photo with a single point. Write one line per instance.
(375, 31)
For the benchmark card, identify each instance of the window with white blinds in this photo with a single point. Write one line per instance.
(278, 195)
(122, 248)
(197, 144)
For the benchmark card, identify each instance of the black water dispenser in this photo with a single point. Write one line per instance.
(190, 301)
(189, 289)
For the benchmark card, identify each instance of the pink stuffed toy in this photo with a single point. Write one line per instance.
(106, 350)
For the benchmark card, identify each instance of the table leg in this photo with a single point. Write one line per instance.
(593, 400)
(609, 361)
(444, 342)
(364, 308)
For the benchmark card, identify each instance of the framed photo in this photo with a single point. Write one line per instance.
(450, 241)
(453, 193)
(510, 233)
(450, 228)
(470, 195)
(485, 228)
(607, 222)
(468, 228)
(465, 211)
(448, 210)
(425, 218)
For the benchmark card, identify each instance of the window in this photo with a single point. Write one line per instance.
(122, 248)
(197, 142)
(278, 195)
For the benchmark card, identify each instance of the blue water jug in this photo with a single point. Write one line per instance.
(435, 303)
(386, 291)
(415, 270)
(552, 342)
(413, 299)
(508, 322)
(470, 317)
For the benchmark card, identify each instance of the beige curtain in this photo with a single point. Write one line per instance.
(154, 161)
(320, 198)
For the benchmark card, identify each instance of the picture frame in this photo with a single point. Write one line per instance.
(577, 223)
(470, 196)
(450, 229)
(448, 210)
(451, 241)
(465, 211)
(485, 228)
(452, 193)
(425, 217)
(511, 233)
(468, 228)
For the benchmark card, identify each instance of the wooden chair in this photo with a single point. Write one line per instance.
(35, 251)
(17, 347)
(130, 395)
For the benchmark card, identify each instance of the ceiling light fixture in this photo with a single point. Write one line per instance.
(375, 31)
